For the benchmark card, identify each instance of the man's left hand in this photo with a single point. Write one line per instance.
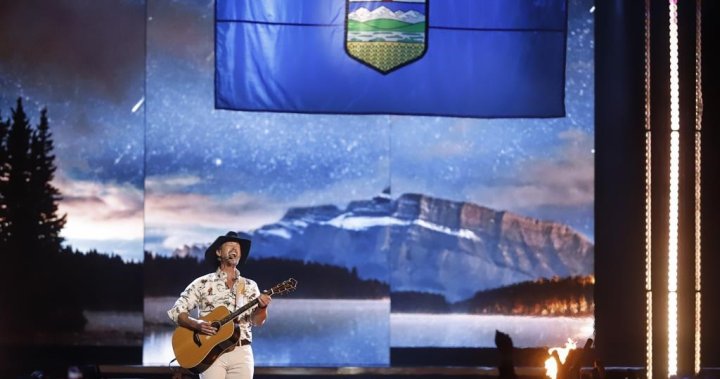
(263, 301)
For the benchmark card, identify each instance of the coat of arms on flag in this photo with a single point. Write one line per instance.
(386, 34)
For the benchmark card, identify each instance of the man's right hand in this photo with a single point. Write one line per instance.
(205, 327)
(200, 326)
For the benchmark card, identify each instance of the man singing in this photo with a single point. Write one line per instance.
(224, 287)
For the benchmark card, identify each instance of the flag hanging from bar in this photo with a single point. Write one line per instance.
(464, 58)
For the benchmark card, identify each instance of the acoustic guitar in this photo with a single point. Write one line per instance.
(196, 352)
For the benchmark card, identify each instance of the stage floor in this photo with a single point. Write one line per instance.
(118, 371)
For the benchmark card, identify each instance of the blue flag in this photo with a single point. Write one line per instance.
(465, 58)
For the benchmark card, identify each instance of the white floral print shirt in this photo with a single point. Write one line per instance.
(209, 291)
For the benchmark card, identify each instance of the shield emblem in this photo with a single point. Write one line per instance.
(386, 34)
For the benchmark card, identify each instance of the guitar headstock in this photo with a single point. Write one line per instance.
(283, 288)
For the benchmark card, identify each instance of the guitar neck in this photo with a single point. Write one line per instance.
(279, 289)
(238, 312)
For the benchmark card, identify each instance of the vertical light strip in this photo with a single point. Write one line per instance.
(698, 181)
(648, 257)
(698, 300)
(674, 193)
(648, 204)
(673, 253)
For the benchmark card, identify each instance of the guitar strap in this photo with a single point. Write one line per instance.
(240, 283)
(239, 289)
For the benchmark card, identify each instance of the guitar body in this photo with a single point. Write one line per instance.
(195, 351)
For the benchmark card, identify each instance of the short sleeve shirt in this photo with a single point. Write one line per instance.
(209, 291)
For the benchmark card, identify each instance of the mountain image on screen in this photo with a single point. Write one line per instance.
(426, 248)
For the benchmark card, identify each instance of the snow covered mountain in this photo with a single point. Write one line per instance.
(364, 15)
(420, 243)
(425, 244)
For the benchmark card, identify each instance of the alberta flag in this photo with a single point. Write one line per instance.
(464, 58)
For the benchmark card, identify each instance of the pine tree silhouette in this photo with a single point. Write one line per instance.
(30, 234)
(19, 224)
(30, 201)
(45, 195)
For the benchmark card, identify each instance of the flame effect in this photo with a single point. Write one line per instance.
(551, 368)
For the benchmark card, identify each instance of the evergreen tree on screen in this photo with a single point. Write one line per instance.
(45, 195)
(19, 223)
(31, 221)
(31, 231)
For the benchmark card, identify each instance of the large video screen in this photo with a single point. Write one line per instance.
(402, 231)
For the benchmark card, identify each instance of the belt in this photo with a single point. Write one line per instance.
(240, 343)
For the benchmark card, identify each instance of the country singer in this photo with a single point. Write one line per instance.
(224, 287)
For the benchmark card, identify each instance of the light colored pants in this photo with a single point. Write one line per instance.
(236, 364)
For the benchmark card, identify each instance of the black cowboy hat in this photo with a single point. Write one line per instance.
(211, 257)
